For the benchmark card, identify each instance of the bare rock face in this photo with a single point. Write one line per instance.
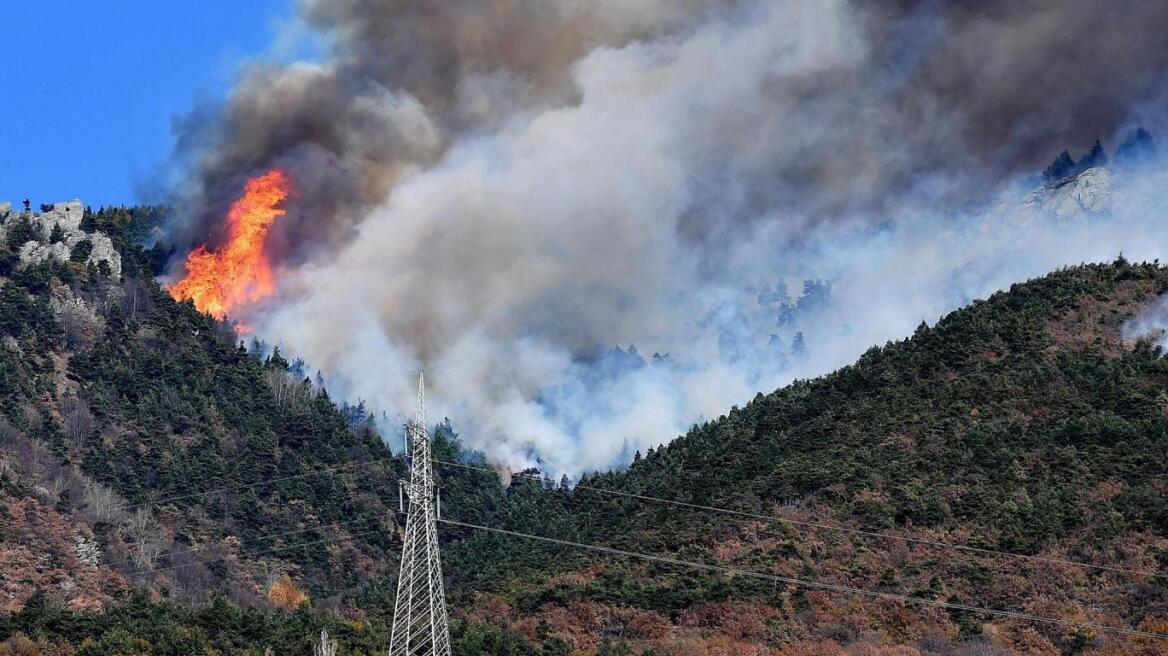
(81, 321)
(1088, 193)
(87, 551)
(67, 216)
(5, 209)
(35, 252)
(103, 251)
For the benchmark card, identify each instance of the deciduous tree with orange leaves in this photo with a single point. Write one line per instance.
(285, 594)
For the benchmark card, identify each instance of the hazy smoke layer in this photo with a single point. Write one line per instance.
(501, 190)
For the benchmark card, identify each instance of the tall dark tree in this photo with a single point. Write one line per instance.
(1137, 148)
(21, 232)
(1095, 157)
(798, 346)
(1061, 167)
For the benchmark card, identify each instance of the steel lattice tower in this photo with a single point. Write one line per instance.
(420, 625)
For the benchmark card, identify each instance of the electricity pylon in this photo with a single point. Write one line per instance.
(420, 626)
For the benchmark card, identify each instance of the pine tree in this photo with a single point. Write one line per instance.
(798, 346)
(81, 251)
(1061, 167)
(19, 233)
(1096, 157)
(1138, 147)
(88, 221)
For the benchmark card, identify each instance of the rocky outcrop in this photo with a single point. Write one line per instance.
(67, 215)
(67, 218)
(35, 252)
(1087, 193)
(81, 321)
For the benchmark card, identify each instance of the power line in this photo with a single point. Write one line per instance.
(685, 563)
(693, 506)
(273, 536)
(268, 481)
(350, 384)
(252, 554)
(816, 584)
(719, 568)
(390, 376)
(833, 527)
(316, 472)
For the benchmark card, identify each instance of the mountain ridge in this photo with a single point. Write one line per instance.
(973, 431)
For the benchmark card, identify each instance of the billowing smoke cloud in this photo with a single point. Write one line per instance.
(405, 80)
(500, 191)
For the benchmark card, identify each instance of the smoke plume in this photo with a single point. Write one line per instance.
(502, 191)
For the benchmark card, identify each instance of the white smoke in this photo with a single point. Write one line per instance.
(510, 266)
(1152, 324)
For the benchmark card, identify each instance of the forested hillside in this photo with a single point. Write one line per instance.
(143, 403)
(1023, 423)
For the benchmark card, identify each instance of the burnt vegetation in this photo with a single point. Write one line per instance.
(1021, 423)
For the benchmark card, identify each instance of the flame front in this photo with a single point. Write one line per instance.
(220, 281)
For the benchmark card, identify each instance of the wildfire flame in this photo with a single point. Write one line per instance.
(222, 280)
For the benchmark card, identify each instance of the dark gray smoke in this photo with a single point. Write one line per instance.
(969, 89)
(403, 81)
(499, 190)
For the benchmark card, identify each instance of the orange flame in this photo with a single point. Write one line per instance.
(220, 281)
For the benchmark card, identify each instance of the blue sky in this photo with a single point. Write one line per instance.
(89, 89)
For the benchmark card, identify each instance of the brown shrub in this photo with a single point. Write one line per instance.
(285, 594)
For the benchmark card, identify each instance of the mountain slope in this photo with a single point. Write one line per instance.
(1021, 423)
(144, 404)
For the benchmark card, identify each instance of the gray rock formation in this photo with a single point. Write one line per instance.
(66, 216)
(1088, 193)
(35, 252)
(80, 320)
(87, 551)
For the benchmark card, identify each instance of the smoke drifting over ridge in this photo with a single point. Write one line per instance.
(499, 191)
